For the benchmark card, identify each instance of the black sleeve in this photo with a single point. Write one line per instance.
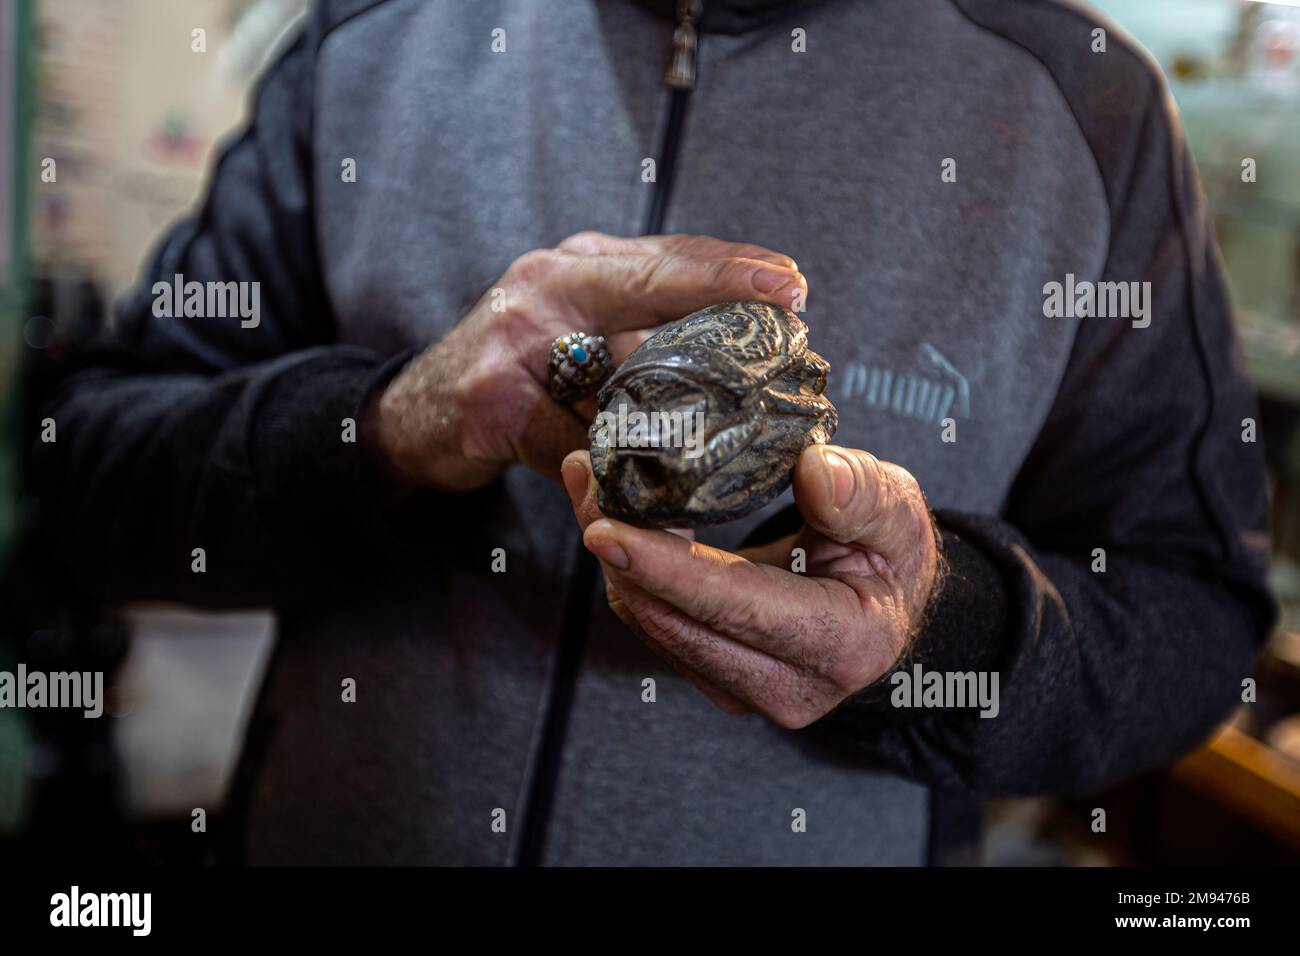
(1103, 674)
(225, 434)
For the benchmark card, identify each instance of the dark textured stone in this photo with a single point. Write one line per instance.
(747, 369)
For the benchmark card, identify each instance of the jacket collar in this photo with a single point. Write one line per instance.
(734, 16)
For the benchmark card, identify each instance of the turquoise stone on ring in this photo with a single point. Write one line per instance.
(578, 364)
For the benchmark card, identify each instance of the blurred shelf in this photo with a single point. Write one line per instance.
(1250, 778)
(1272, 352)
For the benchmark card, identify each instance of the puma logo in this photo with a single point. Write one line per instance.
(932, 391)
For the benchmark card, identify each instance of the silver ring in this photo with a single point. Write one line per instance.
(578, 364)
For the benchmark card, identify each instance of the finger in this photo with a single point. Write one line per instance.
(620, 293)
(852, 497)
(800, 620)
(552, 432)
(624, 298)
(710, 660)
(733, 673)
(591, 243)
(623, 344)
(581, 486)
(697, 651)
(718, 697)
(780, 614)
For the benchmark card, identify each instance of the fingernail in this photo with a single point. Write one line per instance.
(841, 478)
(770, 280)
(609, 552)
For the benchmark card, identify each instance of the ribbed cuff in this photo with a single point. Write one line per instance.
(318, 488)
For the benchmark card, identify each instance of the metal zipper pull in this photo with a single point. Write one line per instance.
(681, 68)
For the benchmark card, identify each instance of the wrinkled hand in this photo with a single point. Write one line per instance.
(755, 636)
(477, 402)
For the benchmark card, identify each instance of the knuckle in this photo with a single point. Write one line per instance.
(520, 305)
(586, 241)
(535, 266)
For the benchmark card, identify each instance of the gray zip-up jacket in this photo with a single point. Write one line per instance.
(934, 166)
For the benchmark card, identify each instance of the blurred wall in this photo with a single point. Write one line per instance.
(133, 106)
(132, 109)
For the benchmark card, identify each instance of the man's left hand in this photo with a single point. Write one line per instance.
(755, 636)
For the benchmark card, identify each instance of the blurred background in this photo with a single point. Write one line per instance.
(133, 118)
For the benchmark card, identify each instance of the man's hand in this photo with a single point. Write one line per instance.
(477, 401)
(754, 636)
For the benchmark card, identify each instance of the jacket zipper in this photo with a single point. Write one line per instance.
(680, 79)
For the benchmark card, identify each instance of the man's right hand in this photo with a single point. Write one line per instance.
(476, 402)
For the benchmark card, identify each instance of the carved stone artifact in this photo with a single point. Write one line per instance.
(704, 422)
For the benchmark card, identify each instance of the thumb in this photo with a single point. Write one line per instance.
(852, 497)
